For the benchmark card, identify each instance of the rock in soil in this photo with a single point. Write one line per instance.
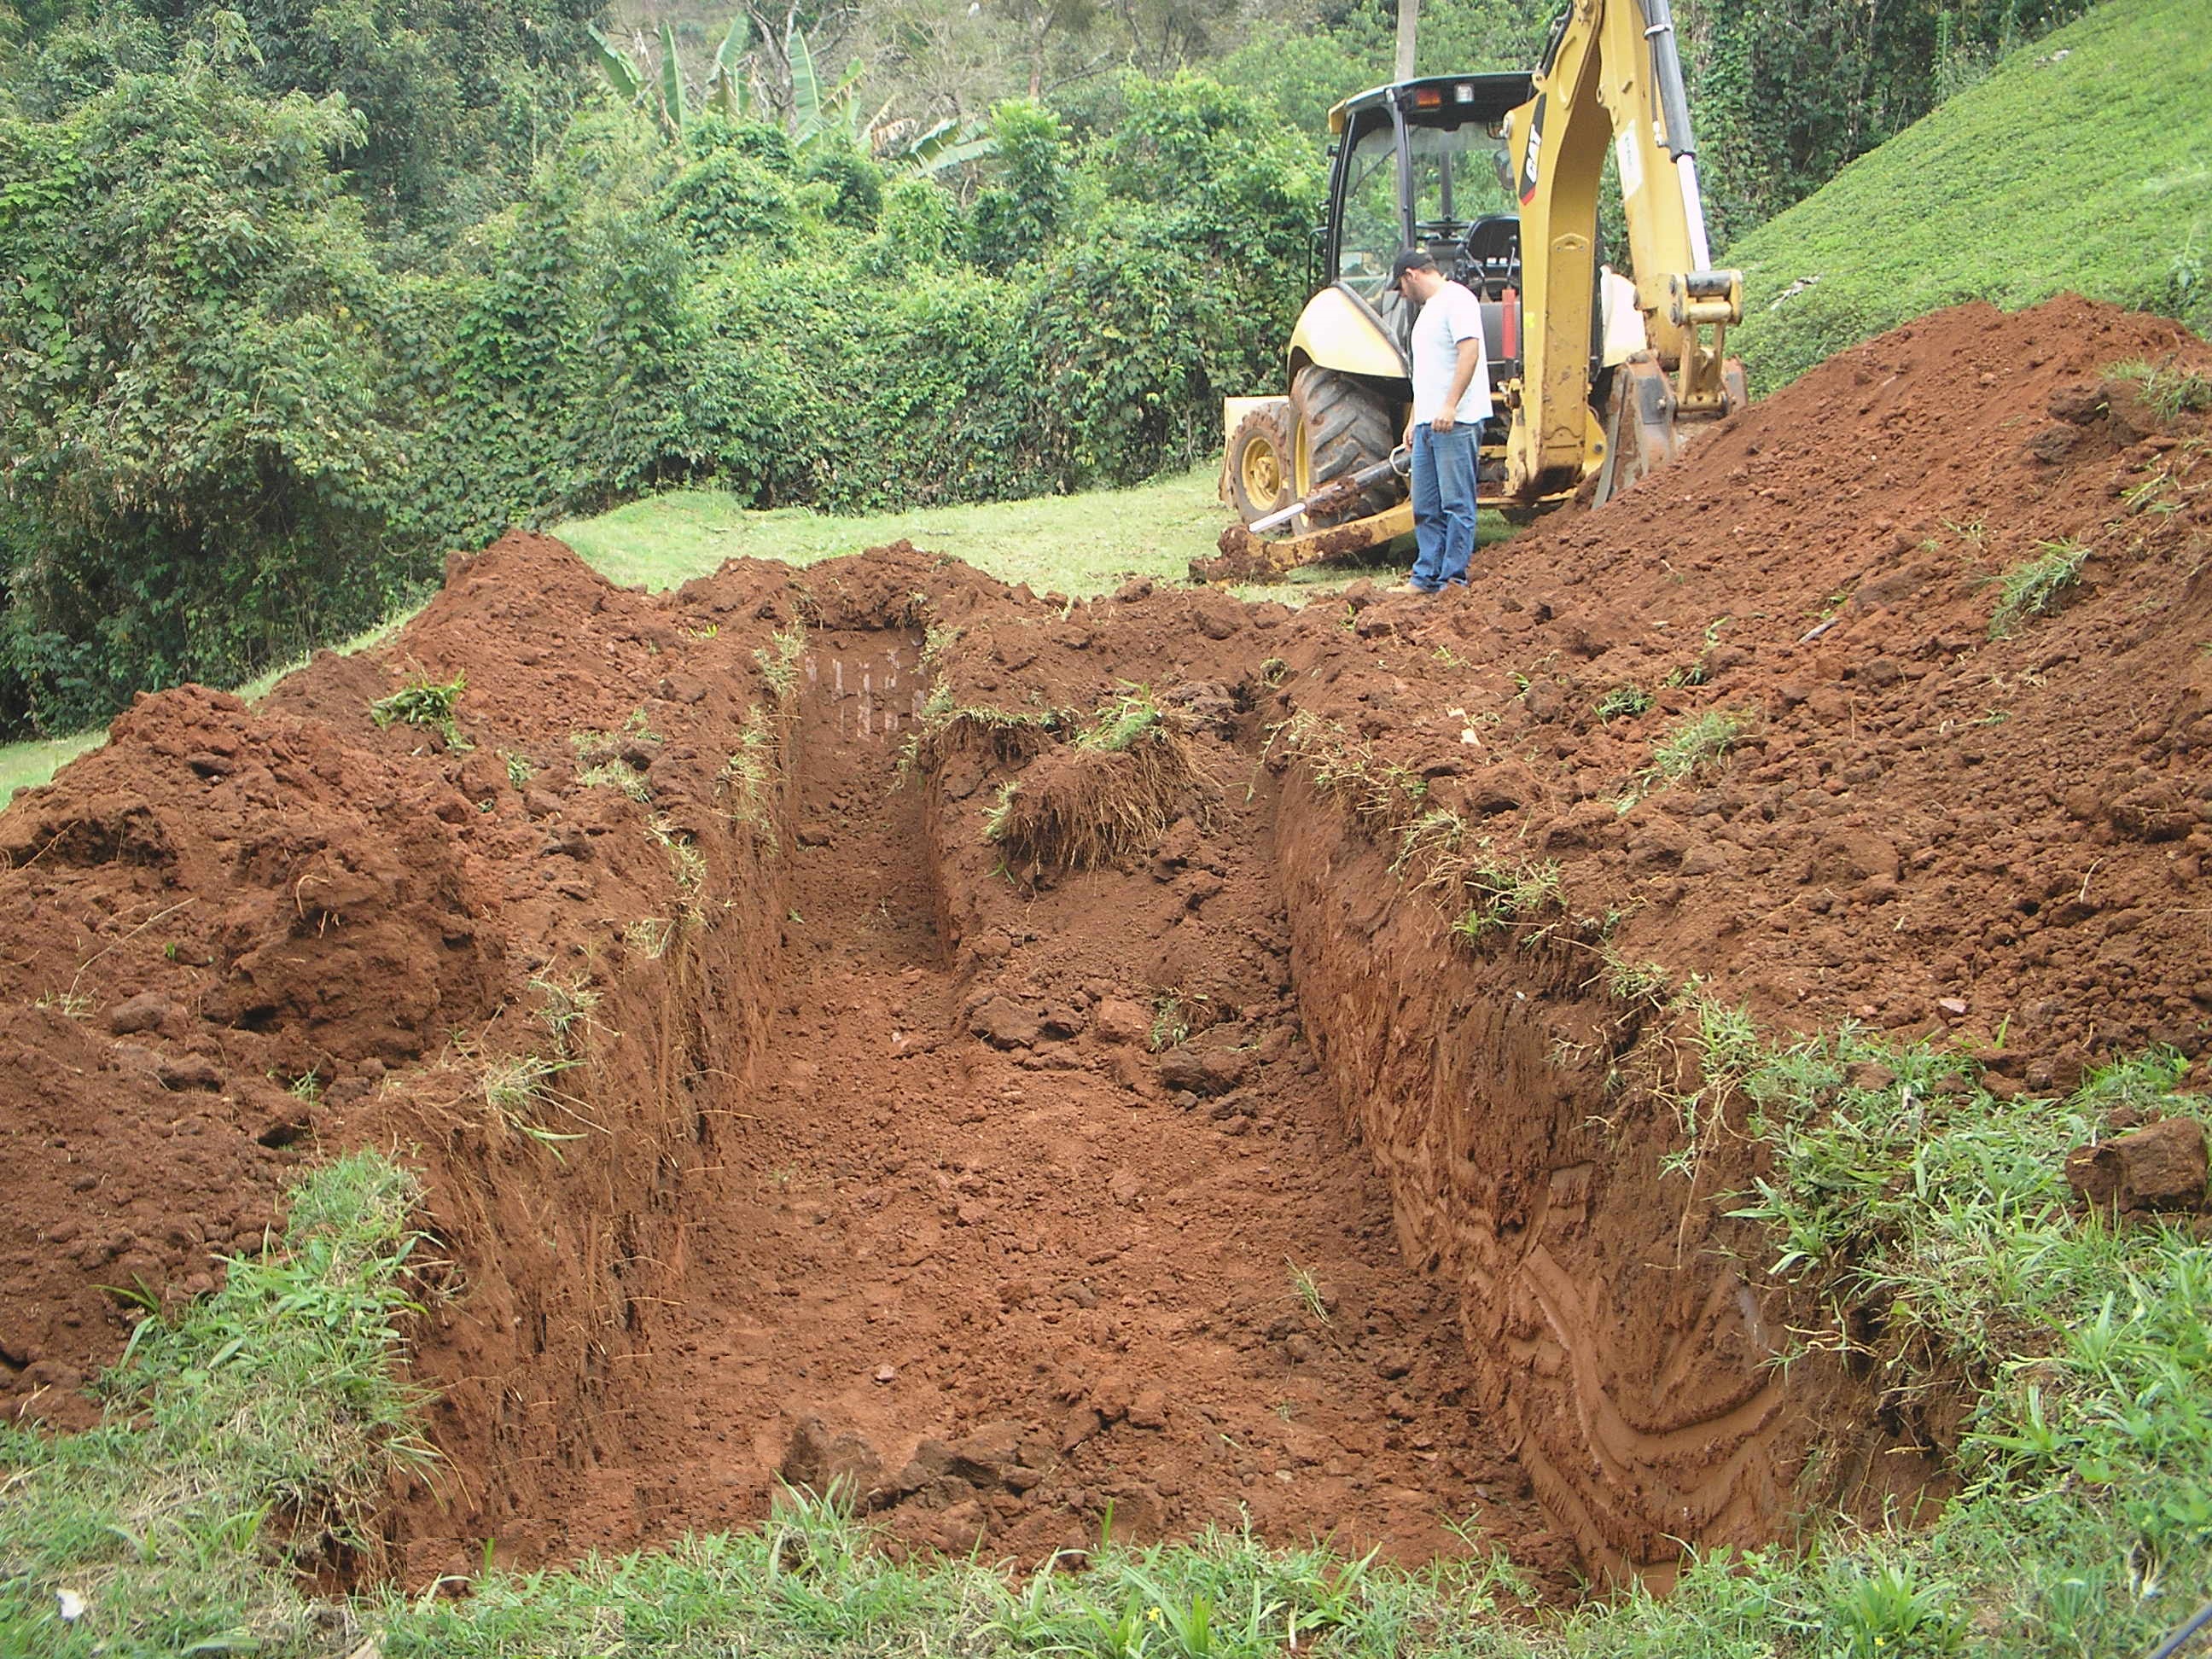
(2160, 1167)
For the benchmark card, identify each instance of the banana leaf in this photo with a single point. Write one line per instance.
(727, 92)
(673, 110)
(615, 63)
(947, 145)
(805, 89)
(951, 155)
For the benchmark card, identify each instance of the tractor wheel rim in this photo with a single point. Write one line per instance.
(1263, 472)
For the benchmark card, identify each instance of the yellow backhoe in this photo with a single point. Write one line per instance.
(1597, 376)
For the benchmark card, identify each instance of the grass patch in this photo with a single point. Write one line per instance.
(1171, 1022)
(425, 702)
(2168, 390)
(1693, 744)
(1936, 1219)
(1077, 545)
(1622, 702)
(1307, 1289)
(1072, 544)
(2081, 163)
(747, 775)
(1505, 893)
(26, 765)
(810, 1584)
(1122, 723)
(2034, 587)
(246, 1441)
(779, 659)
(519, 1089)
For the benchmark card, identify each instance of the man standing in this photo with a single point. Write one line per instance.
(1451, 400)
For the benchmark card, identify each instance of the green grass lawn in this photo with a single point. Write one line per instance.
(1073, 545)
(23, 765)
(2083, 162)
(1077, 545)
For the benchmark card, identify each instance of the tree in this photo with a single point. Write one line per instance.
(195, 419)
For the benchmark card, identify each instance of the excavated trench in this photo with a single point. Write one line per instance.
(1207, 1184)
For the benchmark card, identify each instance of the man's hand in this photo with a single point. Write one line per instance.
(1443, 423)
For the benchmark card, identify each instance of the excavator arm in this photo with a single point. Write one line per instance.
(1612, 75)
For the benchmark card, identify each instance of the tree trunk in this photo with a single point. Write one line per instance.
(1409, 17)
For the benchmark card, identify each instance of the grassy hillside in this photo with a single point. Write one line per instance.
(2083, 162)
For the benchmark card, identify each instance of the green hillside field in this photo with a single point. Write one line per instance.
(2083, 162)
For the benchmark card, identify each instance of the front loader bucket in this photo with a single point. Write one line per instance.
(1243, 557)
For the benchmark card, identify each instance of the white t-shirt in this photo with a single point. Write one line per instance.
(1453, 315)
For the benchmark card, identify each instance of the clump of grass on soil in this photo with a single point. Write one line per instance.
(1504, 893)
(427, 703)
(1128, 774)
(2168, 389)
(1622, 702)
(250, 1437)
(1693, 744)
(2034, 587)
(779, 659)
(1382, 794)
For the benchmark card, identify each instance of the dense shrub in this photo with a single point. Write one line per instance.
(196, 423)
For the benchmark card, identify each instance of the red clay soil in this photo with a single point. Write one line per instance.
(778, 1121)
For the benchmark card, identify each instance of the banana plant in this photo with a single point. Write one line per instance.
(729, 88)
(817, 115)
(813, 112)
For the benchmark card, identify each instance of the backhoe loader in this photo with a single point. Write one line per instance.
(1597, 376)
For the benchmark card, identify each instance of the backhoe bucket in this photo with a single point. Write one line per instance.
(1645, 428)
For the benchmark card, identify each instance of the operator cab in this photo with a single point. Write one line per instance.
(1423, 163)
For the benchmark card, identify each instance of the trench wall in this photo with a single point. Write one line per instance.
(565, 1220)
(1611, 1313)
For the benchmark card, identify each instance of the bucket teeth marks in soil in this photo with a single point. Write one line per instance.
(776, 1118)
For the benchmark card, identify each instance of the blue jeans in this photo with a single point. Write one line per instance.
(1443, 504)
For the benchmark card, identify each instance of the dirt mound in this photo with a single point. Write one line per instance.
(1309, 1148)
(1911, 815)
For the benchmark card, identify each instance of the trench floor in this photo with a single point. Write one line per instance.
(998, 1290)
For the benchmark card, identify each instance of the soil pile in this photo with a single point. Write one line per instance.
(1916, 824)
(806, 1093)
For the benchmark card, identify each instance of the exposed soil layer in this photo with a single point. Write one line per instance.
(783, 1120)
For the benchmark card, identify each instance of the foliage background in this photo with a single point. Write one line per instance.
(296, 297)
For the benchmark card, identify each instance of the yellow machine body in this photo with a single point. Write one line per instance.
(1605, 375)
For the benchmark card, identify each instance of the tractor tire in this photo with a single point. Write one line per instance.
(1259, 462)
(1341, 427)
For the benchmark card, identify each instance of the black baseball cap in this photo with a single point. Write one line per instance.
(1413, 258)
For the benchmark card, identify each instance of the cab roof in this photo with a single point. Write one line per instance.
(1446, 100)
